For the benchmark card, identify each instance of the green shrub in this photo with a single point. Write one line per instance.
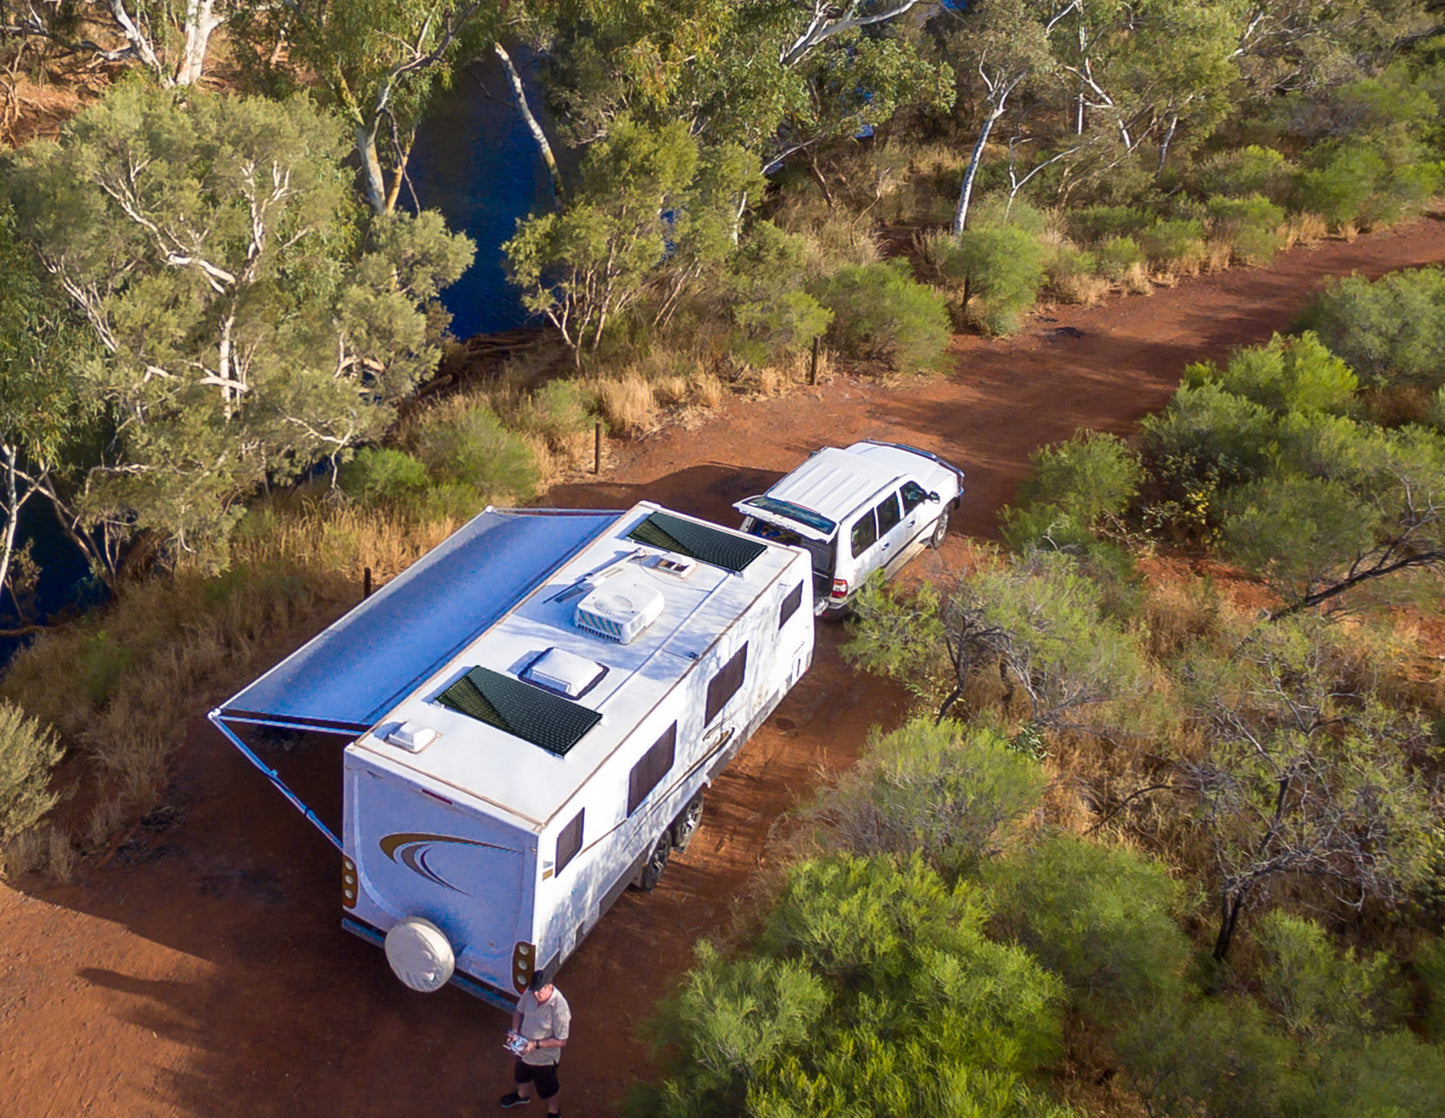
(871, 990)
(381, 475)
(1001, 268)
(1317, 992)
(557, 411)
(1403, 192)
(1430, 966)
(1100, 917)
(1175, 242)
(945, 790)
(1114, 256)
(27, 753)
(1090, 477)
(475, 451)
(1284, 375)
(880, 312)
(1252, 225)
(102, 662)
(1090, 224)
(1391, 330)
(1338, 187)
(1246, 171)
(773, 314)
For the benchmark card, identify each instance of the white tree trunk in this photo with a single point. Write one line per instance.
(533, 124)
(371, 167)
(201, 20)
(965, 193)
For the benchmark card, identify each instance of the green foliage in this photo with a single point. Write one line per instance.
(27, 753)
(1284, 375)
(1430, 966)
(1037, 623)
(947, 791)
(881, 312)
(872, 989)
(102, 662)
(381, 475)
(1114, 256)
(1390, 330)
(1340, 182)
(1317, 992)
(1001, 268)
(475, 452)
(1246, 171)
(1094, 224)
(1252, 226)
(1100, 917)
(1090, 478)
(1174, 241)
(773, 313)
(249, 324)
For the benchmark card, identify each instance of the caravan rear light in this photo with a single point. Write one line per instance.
(524, 962)
(840, 588)
(348, 883)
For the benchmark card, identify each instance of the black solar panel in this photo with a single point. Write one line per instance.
(698, 541)
(554, 723)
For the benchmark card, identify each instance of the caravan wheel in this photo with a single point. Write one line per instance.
(656, 862)
(686, 824)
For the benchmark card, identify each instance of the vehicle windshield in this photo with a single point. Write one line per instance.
(816, 521)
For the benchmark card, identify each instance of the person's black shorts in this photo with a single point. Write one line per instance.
(541, 1076)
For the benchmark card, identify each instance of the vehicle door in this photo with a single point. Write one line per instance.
(918, 511)
(893, 534)
(860, 555)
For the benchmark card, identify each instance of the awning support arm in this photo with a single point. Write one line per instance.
(274, 777)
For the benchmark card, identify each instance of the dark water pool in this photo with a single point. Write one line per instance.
(475, 161)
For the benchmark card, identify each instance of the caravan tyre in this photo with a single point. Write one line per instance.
(686, 824)
(420, 954)
(656, 862)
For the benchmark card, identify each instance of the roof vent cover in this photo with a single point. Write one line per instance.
(621, 608)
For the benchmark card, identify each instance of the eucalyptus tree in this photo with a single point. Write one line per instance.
(168, 38)
(250, 322)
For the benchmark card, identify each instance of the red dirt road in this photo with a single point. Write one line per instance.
(202, 971)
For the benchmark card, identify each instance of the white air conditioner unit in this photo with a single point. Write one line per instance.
(621, 607)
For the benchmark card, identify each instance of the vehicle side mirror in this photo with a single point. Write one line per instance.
(934, 497)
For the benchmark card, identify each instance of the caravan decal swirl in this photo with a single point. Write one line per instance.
(412, 849)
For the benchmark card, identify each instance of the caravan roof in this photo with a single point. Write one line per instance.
(446, 647)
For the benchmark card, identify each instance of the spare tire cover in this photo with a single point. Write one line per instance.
(420, 955)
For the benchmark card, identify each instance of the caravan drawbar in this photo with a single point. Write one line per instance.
(532, 713)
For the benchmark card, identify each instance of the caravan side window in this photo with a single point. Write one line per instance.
(656, 763)
(725, 684)
(569, 841)
(790, 605)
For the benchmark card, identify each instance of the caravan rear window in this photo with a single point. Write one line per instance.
(656, 763)
(725, 684)
(569, 841)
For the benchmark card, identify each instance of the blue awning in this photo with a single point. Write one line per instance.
(346, 678)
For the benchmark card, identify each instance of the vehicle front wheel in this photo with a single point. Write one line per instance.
(656, 862)
(686, 824)
(940, 530)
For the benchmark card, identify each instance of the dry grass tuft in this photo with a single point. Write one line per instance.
(1136, 279)
(627, 403)
(1086, 289)
(1218, 254)
(1305, 229)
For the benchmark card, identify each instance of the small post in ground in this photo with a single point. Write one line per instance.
(813, 365)
(597, 449)
(365, 582)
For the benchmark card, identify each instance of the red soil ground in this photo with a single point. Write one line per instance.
(202, 970)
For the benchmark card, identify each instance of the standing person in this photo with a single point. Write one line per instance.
(543, 1019)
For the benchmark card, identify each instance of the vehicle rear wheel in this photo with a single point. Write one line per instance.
(686, 824)
(940, 530)
(656, 862)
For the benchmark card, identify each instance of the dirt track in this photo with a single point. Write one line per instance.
(203, 971)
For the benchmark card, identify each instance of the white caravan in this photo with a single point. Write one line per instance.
(534, 709)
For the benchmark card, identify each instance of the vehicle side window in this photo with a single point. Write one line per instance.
(725, 684)
(569, 841)
(865, 534)
(656, 763)
(913, 496)
(888, 515)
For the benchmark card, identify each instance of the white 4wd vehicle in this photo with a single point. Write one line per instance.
(870, 507)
